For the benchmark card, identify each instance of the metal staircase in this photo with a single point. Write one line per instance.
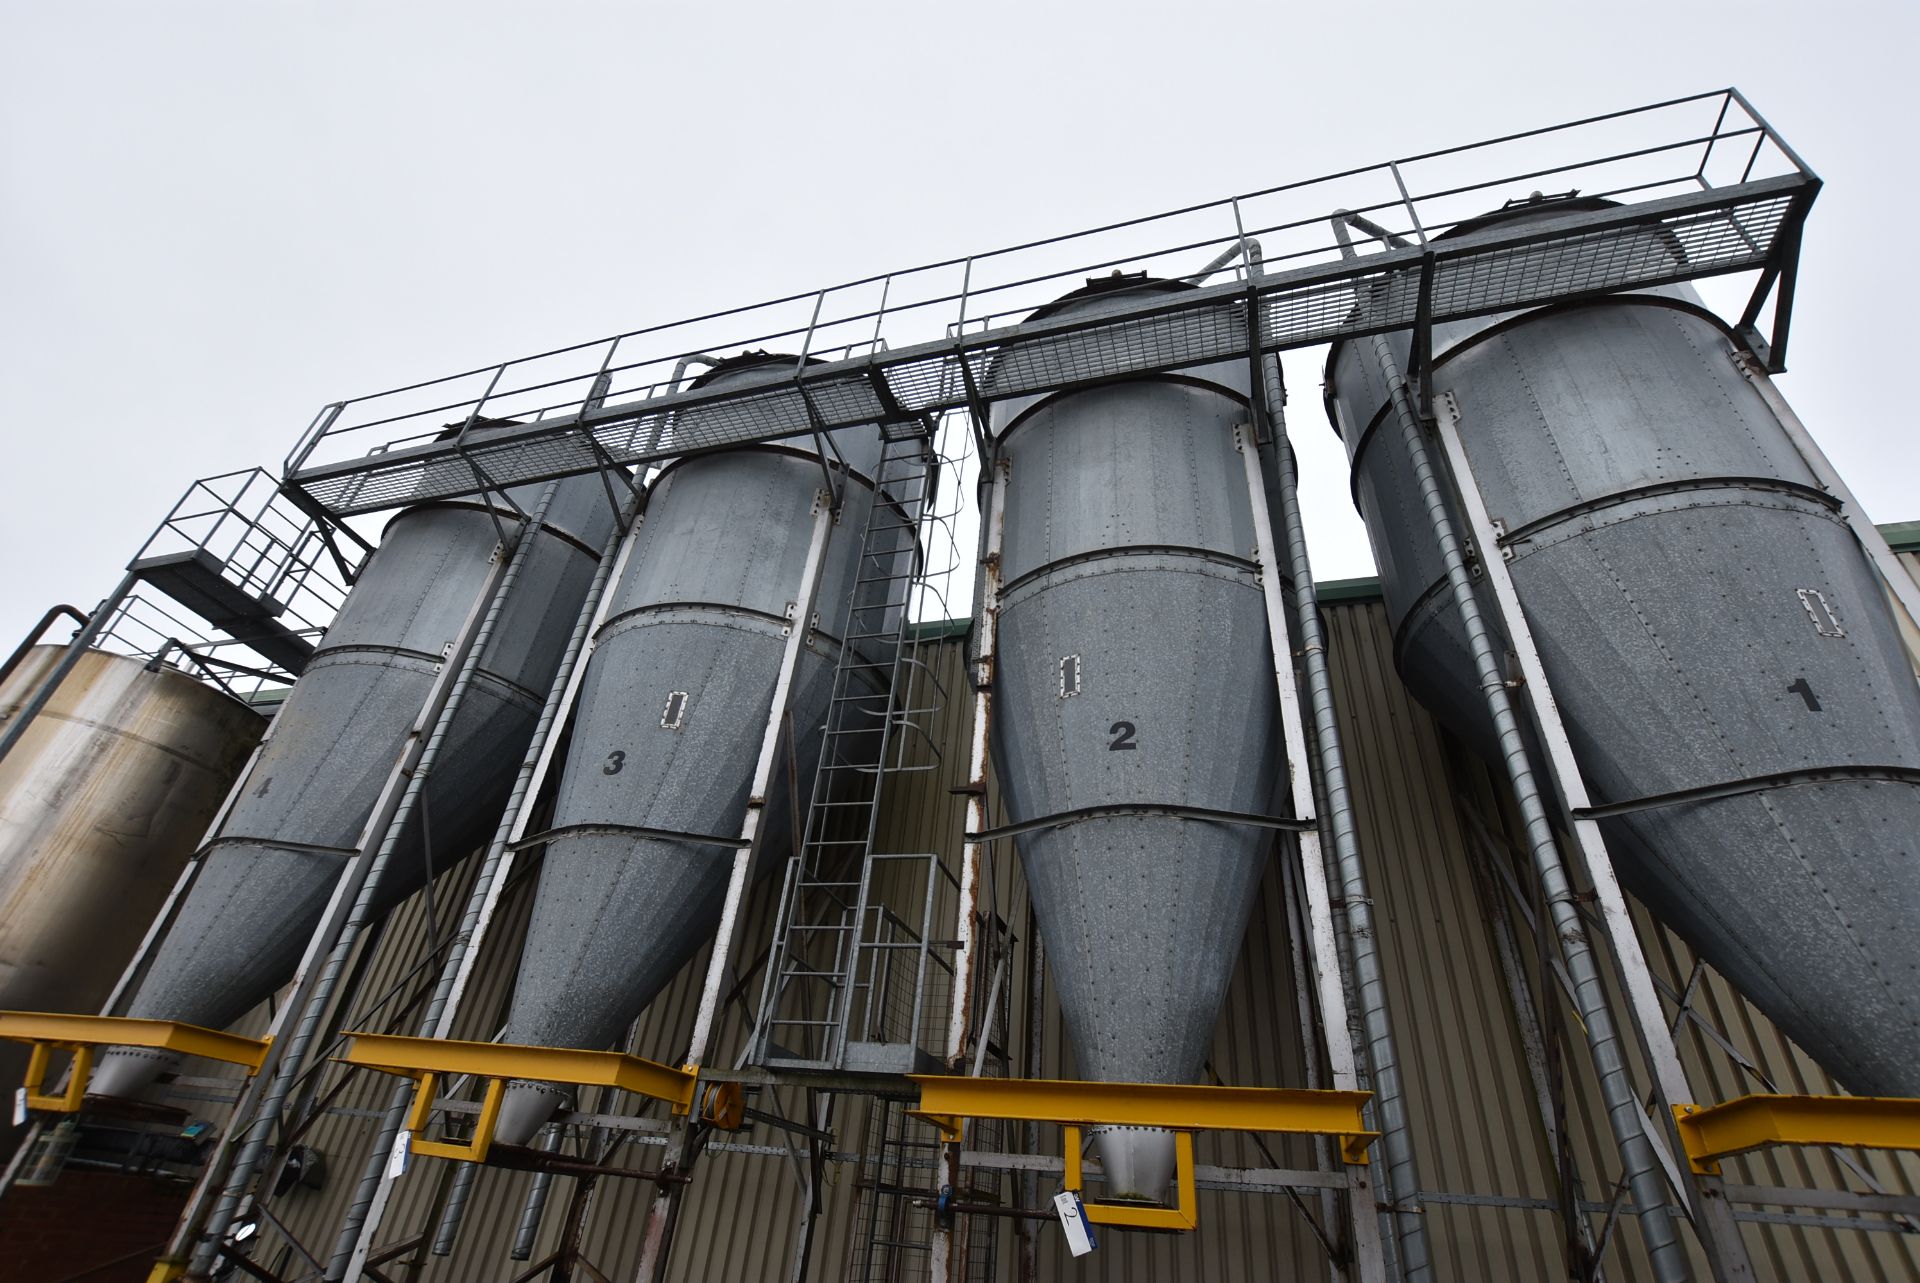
(846, 977)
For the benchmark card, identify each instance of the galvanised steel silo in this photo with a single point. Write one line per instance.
(1720, 647)
(672, 710)
(267, 877)
(1133, 681)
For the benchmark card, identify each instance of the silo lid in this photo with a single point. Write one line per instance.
(1564, 203)
(748, 361)
(1117, 283)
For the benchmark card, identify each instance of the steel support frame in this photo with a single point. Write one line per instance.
(1368, 1261)
(346, 915)
(684, 1144)
(1400, 1171)
(1642, 1158)
(1713, 1218)
(368, 1209)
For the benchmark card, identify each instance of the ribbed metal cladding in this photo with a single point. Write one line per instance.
(1469, 1093)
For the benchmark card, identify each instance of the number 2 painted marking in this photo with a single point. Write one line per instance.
(1123, 733)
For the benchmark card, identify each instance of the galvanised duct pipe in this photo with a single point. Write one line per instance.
(75, 648)
(260, 1137)
(479, 911)
(1645, 1179)
(32, 638)
(1390, 1109)
(456, 1209)
(534, 1208)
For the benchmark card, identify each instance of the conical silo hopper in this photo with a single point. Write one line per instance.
(1133, 679)
(1719, 645)
(670, 718)
(267, 877)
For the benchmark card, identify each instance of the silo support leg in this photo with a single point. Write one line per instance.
(1625, 1117)
(1712, 1216)
(947, 1252)
(1400, 1171)
(664, 1211)
(1368, 1253)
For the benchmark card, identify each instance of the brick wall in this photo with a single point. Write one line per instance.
(87, 1227)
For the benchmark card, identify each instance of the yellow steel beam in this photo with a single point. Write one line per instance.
(418, 1057)
(1752, 1122)
(60, 1030)
(427, 1060)
(946, 1101)
(47, 1032)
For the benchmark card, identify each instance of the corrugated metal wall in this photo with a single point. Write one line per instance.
(1471, 1093)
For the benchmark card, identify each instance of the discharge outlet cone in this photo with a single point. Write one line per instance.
(672, 710)
(266, 880)
(1133, 686)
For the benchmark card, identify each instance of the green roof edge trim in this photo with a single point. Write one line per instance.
(1902, 536)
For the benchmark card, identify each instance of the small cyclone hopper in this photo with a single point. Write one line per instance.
(672, 709)
(1133, 673)
(267, 877)
(1709, 624)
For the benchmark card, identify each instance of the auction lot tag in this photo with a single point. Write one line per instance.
(1073, 1219)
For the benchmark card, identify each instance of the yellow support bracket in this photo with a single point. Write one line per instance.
(1753, 1122)
(46, 1032)
(427, 1060)
(947, 1102)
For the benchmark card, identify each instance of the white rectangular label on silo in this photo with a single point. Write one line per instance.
(19, 1106)
(1073, 1219)
(397, 1160)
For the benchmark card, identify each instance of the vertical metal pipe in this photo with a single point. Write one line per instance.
(1389, 1093)
(1644, 1176)
(535, 1207)
(369, 1201)
(456, 1208)
(388, 830)
(75, 648)
(1328, 978)
(32, 638)
(1713, 1219)
(945, 1253)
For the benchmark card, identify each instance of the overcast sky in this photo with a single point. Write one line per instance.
(215, 217)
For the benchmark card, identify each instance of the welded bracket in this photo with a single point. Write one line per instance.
(427, 1060)
(84, 1036)
(947, 1102)
(1754, 1122)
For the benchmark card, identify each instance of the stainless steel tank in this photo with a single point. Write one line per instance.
(672, 709)
(267, 877)
(1133, 679)
(101, 804)
(1708, 623)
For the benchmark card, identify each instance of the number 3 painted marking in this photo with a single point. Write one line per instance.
(615, 761)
